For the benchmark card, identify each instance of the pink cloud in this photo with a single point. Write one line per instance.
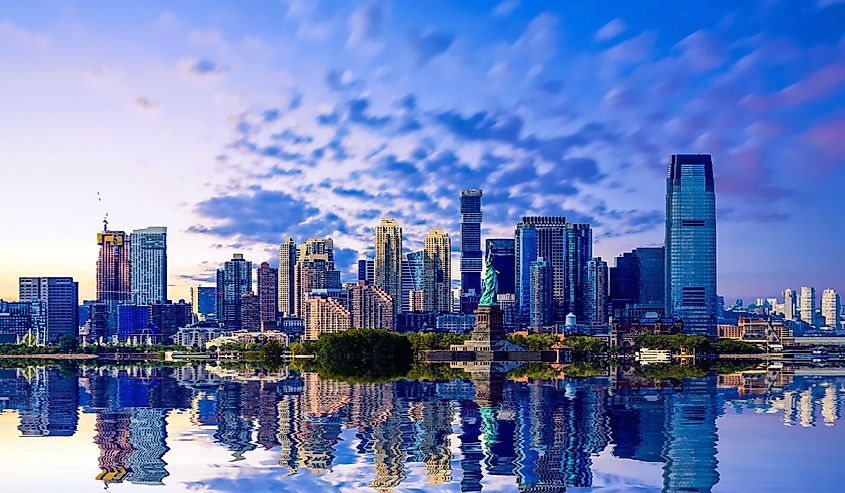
(823, 82)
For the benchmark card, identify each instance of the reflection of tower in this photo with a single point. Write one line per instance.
(268, 423)
(147, 437)
(470, 446)
(691, 437)
(321, 423)
(53, 409)
(113, 431)
(290, 423)
(233, 430)
(436, 428)
(387, 446)
(830, 406)
(790, 407)
(807, 409)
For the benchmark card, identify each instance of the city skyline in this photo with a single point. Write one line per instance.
(195, 119)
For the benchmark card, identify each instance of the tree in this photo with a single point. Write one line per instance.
(68, 343)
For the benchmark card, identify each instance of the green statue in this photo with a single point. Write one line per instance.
(491, 283)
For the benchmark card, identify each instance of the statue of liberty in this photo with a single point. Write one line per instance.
(491, 282)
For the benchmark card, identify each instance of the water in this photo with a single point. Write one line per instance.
(156, 429)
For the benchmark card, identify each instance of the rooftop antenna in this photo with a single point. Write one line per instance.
(106, 216)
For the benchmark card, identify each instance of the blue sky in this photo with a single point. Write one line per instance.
(237, 124)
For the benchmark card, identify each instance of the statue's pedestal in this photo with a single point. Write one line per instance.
(489, 329)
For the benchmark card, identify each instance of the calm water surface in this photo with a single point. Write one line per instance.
(202, 428)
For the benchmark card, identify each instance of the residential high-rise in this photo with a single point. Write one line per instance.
(471, 244)
(691, 243)
(204, 303)
(113, 275)
(268, 295)
(148, 265)
(535, 237)
(789, 304)
(233, 280)
(437, 272)
(314, 270)
(831, 308)
(579, 251)
(60, 301)
(250, 312)
(412, 279)
(541, 300)
(370, 307)
(287, 276)
(501, 251)
(387, 264)
(595, 296)
(808, 304)
(323, 315)
(366, 270)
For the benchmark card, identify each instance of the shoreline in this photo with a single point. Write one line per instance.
(61, 356)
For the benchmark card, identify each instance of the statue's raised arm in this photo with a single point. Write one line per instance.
(491, 283)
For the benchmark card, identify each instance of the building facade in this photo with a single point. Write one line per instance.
(233, 280)
(370, 307)
(366, 270)
(789, 304)
(637, 284)
(324, 315)
(113, 274)
(579, 251)
(268, 296)
(471, 261)
(535, 237)
(437, 272)
(831, 308)
(287, 277)
(58, 314)
(690, 267)
(595, 298)
(807, 312)
(501, 251)
(148, 265)
(204, 303)
(387, 264)
(412, 278)
(250, 312)
(315, 270)
(541, 310)
(170, 317)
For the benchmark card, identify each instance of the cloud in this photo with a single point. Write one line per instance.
(829, 138)
(22, 37)
(342, 80)
(823, 82)
(505, 8)
(702, 51)
(365, 23)
(202, 67)
(144, 103)
(429, 44)
(610, 30)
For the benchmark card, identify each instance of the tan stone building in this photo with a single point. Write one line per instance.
(324, 315)
(437, 272)
(370, 307)
(387, 264)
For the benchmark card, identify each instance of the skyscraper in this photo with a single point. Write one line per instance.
(437, 272)
(789, 304)
(314, 270)
(387, 265)
(250, 312)
(579, 251)
(366, 270)
(233, 280)
(204, 303)
(541, 300)
(287, 284)
(471, 243)
(268, 295)
(412, 279)
(370, 307)
(502, 252)
(536, 237)
(595, 297)
(831, 308)
(691, 243)
(148, 265)
(113, 286)
(808, 304)
(637, 284)
(59, 297)
(323, 315)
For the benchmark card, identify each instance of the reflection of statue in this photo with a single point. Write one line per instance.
(491, 283)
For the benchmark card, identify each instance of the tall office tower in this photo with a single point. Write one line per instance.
(314, 270)
(59, 301)
(387, 265)
(579, 251)
(268, 296)
(789, 304)
(148, 265)
(287, 276)
(437, 272)
(323, 315)
(366, 270)
(595, 298)
(370, 307)
(250, 316)
(412, 278)
(831, 308)
(808, 304)
(637, 284)
(536, 237)
(233, 280)
(540, 289)
(691, 243)
(113, 286)
(471, 244)
(502, 252)
(204, 303)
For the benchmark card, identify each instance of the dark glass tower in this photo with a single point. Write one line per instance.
(691, 243)
(502, 251)
(637, 284)
(471, 242)
(233, 280)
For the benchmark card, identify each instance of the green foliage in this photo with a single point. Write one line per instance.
(304, 347)
(427, 341)
(364, 354)
(674, 342)
(534, 371)
(68, 344)
(670, 371)
(534, 342)
(585, 369)
(730, 346)
(585, 345)
(435, 372)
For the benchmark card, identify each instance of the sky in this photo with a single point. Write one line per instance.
(236, 125)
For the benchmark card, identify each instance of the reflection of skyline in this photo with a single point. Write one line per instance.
(544, 434)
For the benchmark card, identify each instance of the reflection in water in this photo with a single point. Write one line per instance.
(543, 435)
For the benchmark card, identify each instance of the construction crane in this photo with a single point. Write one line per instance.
(105, 213)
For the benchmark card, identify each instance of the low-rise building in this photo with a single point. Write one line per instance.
(249, 337)
(456, 323)
(195, 337)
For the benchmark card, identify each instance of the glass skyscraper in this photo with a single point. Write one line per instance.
(471, 241)
(502, 251)
(148, 265)
(412, 276)
(637, 284)
(233, 280)
(691, 243)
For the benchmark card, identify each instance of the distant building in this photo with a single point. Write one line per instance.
(789, 304)
(437, 273)
(195, 337)
(169, 317)
(250, 317)
(59, 312)
(412, 277)
(808, 305)
(387, 265)
(324, 315)
(134, 320)
(831, 308)
(366, 270)
(416, 322)
(637, 284)
(595, 298)
(287, 277)
(416, 301)
(579, 251)
(148, 265)
(113, 275)
(541, 314)
(535, 237)
(502, 251)
(455, 323)
(15, 320)
(268, 296)
(471, 261)
(233, 280)
(315, 270)
(204, 303)
(691, 243)
(370, 307)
